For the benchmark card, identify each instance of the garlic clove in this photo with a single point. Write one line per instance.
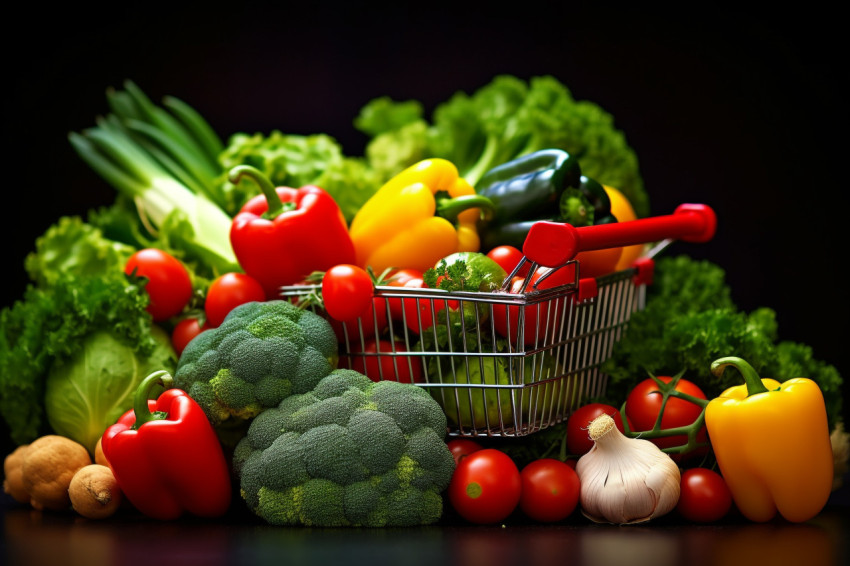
(625, 480)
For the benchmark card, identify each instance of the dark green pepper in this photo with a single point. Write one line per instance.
(545, 185)
(529, 186)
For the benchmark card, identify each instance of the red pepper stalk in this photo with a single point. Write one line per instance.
(284, 234)
(168, 461)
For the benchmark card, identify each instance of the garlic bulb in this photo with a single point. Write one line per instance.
(625, 480)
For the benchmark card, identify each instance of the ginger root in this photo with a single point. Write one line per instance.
(49, 463)
(13, 475)
(94, 492)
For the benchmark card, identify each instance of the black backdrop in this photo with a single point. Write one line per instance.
(741, 111)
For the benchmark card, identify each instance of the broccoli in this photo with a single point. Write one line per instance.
(352, 452)
(262, 353)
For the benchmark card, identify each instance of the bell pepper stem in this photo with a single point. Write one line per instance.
(450, 208)
(143, 393)
(751, 378)
(275, 206)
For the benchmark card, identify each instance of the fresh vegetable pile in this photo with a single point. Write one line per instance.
(154, 365)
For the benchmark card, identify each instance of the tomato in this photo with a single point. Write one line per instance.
(462, 447)
(598, 262)
(227, 292)
(485, 487)
(168, 283)
(347, 291)
(399, 279)
(183, 333)
(508, 257)
(644, 404)
(388, 367)
(539, 318)
(578, 441)
(424, 311)
(550, 490)
(704, 496)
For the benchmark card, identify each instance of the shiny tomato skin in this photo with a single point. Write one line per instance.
(168, 285)
(421, 313)
(363, 327)
(550, 490)
(183, 333)
(347, 291)
(643, 405)
(227, 292)
(394, 366)
(578, 441)
(704, 496)
(485, 487)
(508, 257)
(462, 447)
(399, 279)
(540, 319)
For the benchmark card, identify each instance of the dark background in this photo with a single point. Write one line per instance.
(738, 110)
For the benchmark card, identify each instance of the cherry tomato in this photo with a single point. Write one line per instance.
(508, 257)
(168, 283)
(644, 404)
(462, 447)
(420, 314)
(227, 292)
(485, 487)
(540, 319)
(347, 291)
(704, 496)
(399, 279)
(550, 490)
(578, 441)
(598, 262)
(388, 367)
(183, 333)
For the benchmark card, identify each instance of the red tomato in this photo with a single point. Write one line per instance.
(399, 279)
(347, 291)
(550, 490)
(168, 283)
(485, 487)
(578, 441)
(644, 404)
(540, 319)
(227, 292)
(388, 367)
(704, 496)
(421, 313)
(462, 447)
(508, 257)
(598, 262)
(363, 327)
(183, 333)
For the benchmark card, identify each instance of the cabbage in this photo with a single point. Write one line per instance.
(91, 390)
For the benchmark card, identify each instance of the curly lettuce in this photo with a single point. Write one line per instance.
(505, 119)
(690, 320)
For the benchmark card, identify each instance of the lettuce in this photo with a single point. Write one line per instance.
(78, 290)
(690, 320)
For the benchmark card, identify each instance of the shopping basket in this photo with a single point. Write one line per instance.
(512, 363)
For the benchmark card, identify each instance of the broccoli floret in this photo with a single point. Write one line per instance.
(261, 354)
(351, 452)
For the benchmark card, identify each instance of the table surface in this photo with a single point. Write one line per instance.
(33, 537)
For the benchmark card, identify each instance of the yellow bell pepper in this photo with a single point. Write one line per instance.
(409, 221)
(772, 444)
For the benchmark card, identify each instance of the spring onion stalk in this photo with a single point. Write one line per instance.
(162, 165)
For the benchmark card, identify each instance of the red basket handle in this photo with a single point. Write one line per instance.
(555, 243)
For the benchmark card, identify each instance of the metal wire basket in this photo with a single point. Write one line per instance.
(512, 363)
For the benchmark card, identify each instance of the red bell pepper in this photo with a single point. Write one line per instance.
(284, 234)
(168, 461)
